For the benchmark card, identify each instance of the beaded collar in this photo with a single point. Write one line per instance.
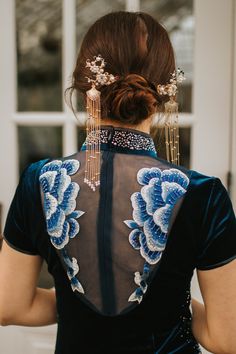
(125, 140)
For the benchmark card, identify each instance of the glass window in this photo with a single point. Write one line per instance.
(177, 17)
(38, 34)
(87, 12)
(37, 143)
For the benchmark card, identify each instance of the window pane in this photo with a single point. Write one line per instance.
(37, 143)
(39, 27)
(87, 12)
(177, 17)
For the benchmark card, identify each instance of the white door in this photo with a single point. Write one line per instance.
(35, 121)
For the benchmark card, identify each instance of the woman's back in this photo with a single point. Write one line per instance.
(123, 257)
(122, 254)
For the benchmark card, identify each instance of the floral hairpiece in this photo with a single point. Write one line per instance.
(171, 116)
(102, 78)
(170, 88)
(93, 126)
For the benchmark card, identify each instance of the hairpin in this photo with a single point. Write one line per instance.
(93, 126)
(171, 116)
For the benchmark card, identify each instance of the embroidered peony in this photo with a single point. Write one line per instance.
(60, 200)
(152, 209)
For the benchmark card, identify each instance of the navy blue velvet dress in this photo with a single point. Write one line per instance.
(122, 257)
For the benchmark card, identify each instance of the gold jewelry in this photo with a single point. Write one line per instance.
(93, 123)
(171, 116)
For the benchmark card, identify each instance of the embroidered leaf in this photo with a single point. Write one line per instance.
(134, 239)
(76, 285)
(137, 295)
(131, 224)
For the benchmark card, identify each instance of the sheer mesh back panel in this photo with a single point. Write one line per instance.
(107, 261)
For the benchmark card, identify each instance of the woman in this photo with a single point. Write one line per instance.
(122, 256)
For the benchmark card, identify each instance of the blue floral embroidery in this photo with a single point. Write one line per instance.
(60, 200)
(152, 208)
(59, 205)
(72, 270)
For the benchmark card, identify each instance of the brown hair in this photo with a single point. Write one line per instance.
(138, 50)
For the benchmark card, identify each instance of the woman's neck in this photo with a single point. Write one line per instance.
(144, 126)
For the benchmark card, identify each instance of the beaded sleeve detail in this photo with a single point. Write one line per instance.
(59, 206)
(152, 209)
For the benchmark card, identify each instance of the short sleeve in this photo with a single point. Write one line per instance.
(19, 229)
(218, 233)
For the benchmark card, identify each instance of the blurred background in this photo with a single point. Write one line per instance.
(40, 40)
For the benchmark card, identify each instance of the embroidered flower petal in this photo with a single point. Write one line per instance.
(139, 208)
(134, 239)
(162, 216)
(55, 223)
(145, 174)
(71, 166)
(59, 242)
(62, 182)
(68, 203)
(61, 237)
(47, 180)
(171, 192)
(51, 166)
(50, 205)
(74, 227)
(152, 195)
(174, 175)
(152, 257)
(155, 237)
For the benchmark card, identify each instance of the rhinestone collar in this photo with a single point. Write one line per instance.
(125, 140)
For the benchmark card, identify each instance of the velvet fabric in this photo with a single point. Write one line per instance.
(202, 236)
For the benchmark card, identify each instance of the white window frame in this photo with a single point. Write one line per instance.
(213, 121)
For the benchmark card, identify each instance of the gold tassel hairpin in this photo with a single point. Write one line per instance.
(171, 116)
(93, 123)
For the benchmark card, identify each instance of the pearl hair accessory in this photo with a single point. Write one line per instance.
(93, 126)
(93, 123)
(102, 78)
(171, 116)
(170, 89)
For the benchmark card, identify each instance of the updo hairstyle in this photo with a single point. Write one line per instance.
(137, 49)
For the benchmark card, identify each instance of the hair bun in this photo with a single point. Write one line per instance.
(131, 99)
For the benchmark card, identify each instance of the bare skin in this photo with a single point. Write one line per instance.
(144, 126)
(22, 303)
